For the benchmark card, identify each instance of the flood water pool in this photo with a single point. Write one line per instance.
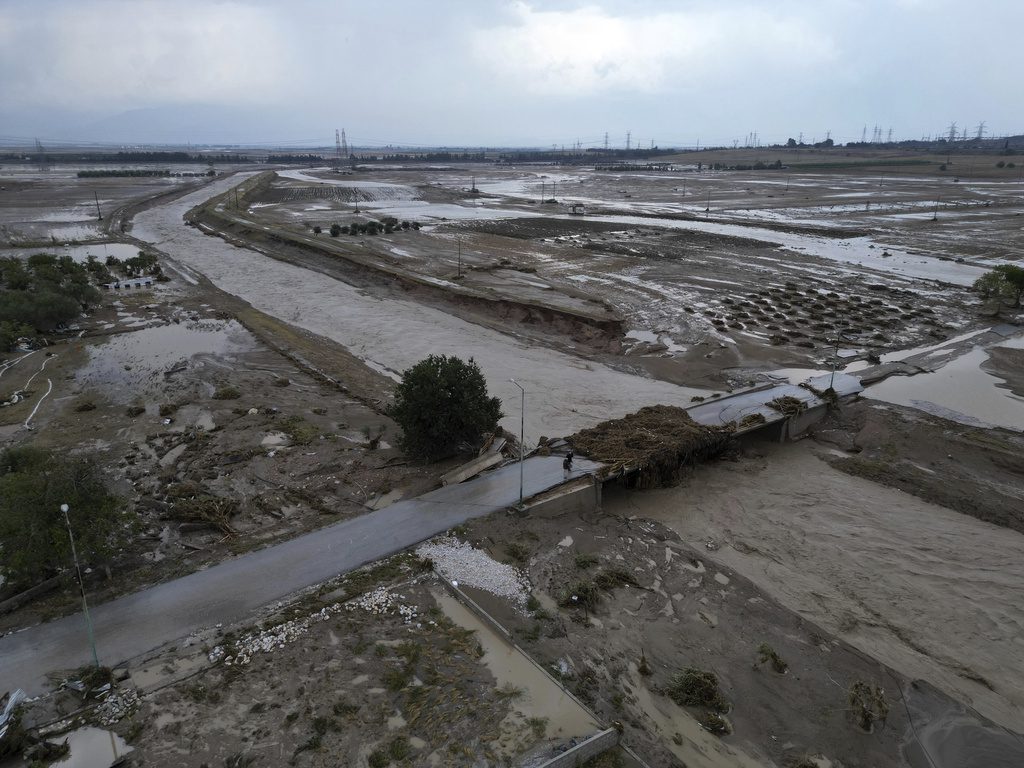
(960, 391)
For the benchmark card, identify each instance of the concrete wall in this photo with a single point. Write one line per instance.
(798, 425)
(581, 496)
(585, 750)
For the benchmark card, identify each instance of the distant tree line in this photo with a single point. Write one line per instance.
(123, 157)
(137, 173)
(305, 159)
(434, 157)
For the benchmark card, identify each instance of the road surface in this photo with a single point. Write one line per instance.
(234, 589)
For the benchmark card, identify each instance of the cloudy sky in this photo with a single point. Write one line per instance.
(490, 72)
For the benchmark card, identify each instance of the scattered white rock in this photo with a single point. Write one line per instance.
(382, 600)
(458, 560)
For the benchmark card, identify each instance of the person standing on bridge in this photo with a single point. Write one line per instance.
(567, 463)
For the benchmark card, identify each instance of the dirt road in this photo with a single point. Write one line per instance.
(933, 593)
(564, 393)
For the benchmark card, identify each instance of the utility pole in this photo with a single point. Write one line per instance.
(522, 437)
(459, 241)
(542, 184)
(99, 216)
(85, 605)
(835, 358)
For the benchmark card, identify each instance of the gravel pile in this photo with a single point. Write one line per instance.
(459, 561)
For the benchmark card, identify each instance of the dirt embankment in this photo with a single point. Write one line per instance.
(598, 329)
(1007, 364)
(975, 471)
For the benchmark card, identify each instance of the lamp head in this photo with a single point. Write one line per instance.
(64, 508)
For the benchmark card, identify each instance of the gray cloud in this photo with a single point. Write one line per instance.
(504, 72)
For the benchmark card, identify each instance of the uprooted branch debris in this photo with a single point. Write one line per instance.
(788, 405)
(653, 446)
(191, 505)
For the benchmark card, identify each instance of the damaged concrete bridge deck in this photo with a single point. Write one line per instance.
(234, 589)
(755, 401)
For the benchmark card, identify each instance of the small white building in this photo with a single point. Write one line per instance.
(128, 283)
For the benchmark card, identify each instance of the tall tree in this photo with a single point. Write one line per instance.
(441, 404)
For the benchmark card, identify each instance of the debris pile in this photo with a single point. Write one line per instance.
(120, 703)
(459, 561)
(788, 405)
(652, 447)
(752, 420)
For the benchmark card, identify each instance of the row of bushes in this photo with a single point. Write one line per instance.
(388, 225)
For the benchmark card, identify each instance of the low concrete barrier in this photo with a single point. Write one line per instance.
(582, 496)
(578, 755)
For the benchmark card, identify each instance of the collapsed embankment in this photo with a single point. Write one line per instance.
(226, 216)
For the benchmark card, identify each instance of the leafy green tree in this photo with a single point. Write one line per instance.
(442, 404)
(1014, 277)
(33, 536)
(335, 230)
(1003, 284)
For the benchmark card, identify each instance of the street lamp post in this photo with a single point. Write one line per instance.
(85, 605)
(522, 436)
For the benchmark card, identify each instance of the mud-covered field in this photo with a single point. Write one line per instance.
(242, 403)
(698, 292)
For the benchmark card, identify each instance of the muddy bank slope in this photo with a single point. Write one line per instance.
(595, 324)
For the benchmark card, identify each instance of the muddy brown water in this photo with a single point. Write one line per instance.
(93, 748)
(542, 697)
(960, 391)
(932, 593)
